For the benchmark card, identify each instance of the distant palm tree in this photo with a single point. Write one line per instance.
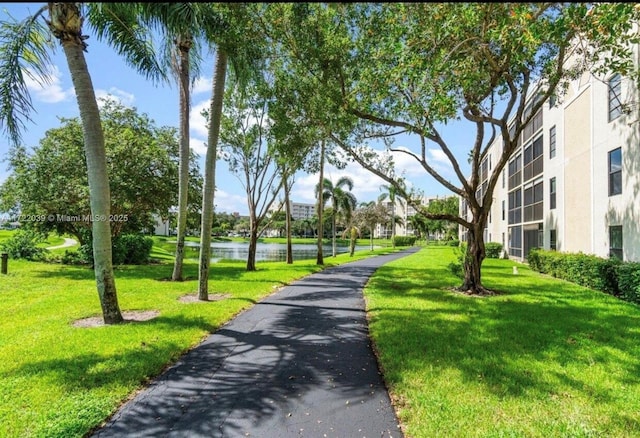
(391, 193)
(24, 47)
(343, 202)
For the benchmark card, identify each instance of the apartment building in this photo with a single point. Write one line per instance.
(573, 184)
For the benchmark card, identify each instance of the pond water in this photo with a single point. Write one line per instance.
(273, 252)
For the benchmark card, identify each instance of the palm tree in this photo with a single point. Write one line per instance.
(391, 193)
(228, 32)
(181, 26)
(343, 202)
(29, 42)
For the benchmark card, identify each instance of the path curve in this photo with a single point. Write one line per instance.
(67, 243)
(297, 364)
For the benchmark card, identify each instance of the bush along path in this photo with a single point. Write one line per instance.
(298, 363)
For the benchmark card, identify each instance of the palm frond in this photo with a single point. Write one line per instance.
(25, 48)
(119, 25)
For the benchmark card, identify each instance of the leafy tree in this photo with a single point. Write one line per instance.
(141, 161)
(343, 202)
(245, 140)
(25, 47)
(369, 215)
(410, 68)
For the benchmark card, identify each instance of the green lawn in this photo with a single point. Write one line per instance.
(545, 358)
(58, 380)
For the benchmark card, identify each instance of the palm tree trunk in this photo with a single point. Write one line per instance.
(99, 192)
(183, 178)
(219, 76)
(333, 231)
(320, 258)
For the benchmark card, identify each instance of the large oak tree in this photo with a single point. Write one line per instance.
(373, 71)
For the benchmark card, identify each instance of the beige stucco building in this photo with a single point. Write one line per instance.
(574, 183)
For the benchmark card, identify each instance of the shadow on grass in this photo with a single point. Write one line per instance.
(240, 378)
(545, 323)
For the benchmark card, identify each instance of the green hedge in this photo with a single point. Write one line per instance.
(612, 276)
(493, 250)
(126, 249)
(629, 281)
(404, 240)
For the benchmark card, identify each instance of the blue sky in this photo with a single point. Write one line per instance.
(112, 77)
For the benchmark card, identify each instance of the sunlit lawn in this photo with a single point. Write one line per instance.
(58, 380)
(545, 358)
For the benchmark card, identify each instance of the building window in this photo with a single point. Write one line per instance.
(615, 241)
(504, 177)
(615, 97)
(552, 240)
(503, 210)
(552, 142)
(515, 207)
(515, 241)
(615, 172)
(552, 193)
(533, 160)
(533, 202)
(515, 172)
(552, 101)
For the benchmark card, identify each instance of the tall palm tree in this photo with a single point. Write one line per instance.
(236, 43)
(28, 42)
(392, 193)
(182, 28)
(343, 202)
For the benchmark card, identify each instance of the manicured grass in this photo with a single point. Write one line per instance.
(545, 358)
(58, 380)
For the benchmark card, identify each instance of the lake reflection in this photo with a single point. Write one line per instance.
(272, 252)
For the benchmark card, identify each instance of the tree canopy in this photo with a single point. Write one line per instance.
(50, 181)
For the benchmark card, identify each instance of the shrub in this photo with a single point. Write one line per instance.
(457, 267)
(493, 250)
(583, 269)
(454, 242)
(126, 249)
(72, 257)
(404, 240)
(628, 275)
(24, 245)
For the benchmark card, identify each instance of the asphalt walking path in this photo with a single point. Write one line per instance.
(297, 364)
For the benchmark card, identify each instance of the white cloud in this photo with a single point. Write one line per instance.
(230, 203)
(198, 146)
(49, 90)
(366, 186)
(197, 122)
(202, 85)
(124, 98)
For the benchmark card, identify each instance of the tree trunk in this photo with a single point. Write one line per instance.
(183, 175)
(288, 218)
(393, 223)
(472, 263)
(320, 209)
(371, 238)
(208, 192)
(352, 243)
(333, 232)
(99, 192)
(253, 244)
